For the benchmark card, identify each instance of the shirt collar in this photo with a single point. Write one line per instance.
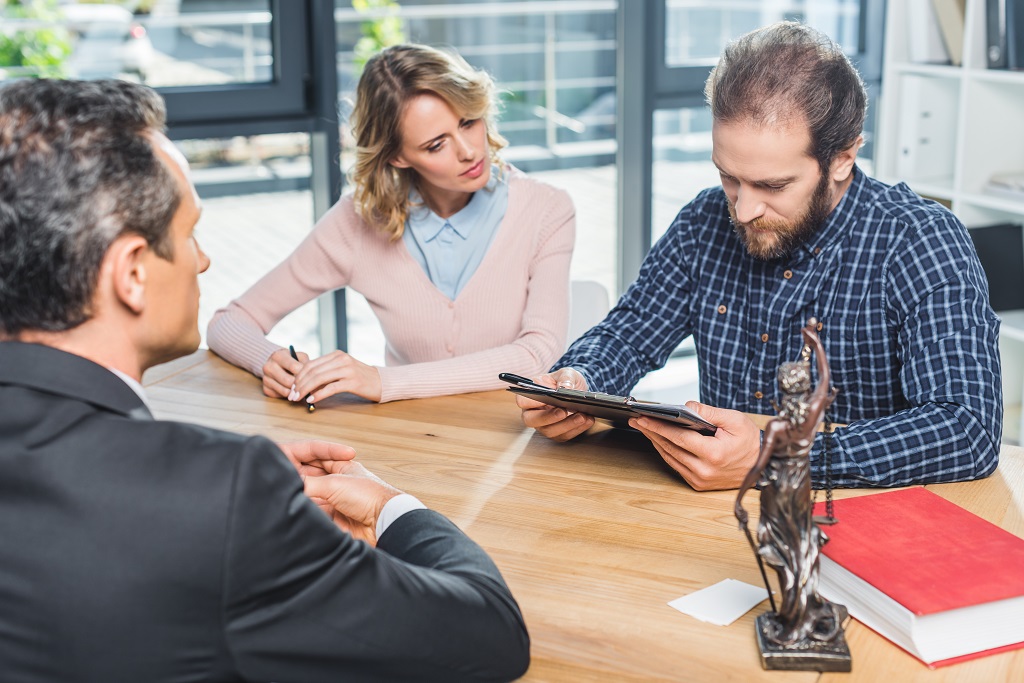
(427, 225)
(133, 385)
(841, 219)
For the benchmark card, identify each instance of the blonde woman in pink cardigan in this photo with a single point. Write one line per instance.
(463, 259)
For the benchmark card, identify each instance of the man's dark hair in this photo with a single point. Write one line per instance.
(787, 73)
(76, 172)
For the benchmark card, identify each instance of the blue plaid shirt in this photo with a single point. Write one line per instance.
(910, 337)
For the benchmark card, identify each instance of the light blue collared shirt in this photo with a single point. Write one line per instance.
(450, 249)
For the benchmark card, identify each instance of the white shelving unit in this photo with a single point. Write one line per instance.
(973, 120)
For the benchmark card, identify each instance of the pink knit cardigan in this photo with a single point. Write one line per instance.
(512, 315)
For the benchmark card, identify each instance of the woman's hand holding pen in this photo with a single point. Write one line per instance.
(335, 373)
(279, 373)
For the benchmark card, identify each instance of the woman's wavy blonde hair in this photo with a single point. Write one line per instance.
(392, 78)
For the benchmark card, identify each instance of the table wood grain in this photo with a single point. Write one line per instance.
(594, 537)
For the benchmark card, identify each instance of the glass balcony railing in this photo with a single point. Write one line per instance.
(554, 61)
(174, 43)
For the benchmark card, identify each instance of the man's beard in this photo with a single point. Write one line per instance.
(783, 237)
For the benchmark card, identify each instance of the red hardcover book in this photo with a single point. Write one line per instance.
(937, 580)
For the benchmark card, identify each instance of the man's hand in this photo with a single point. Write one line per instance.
(279, 373)
(315, 458)
(556, 423)
(706, 462)
(352, 497)
(336, 373)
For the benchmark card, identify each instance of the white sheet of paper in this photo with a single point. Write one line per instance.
(722, 603)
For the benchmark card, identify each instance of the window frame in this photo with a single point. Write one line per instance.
(301, 97)
(283, 96)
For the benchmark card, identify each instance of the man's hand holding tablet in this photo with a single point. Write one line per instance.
(558, 424)
(563, 396)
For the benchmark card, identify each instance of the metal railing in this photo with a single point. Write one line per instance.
(256, 51)
(246, 35)
(553, 48)
(204, 27)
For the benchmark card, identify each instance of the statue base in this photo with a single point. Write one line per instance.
(807, 654)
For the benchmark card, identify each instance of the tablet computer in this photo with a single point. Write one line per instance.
(617, 409)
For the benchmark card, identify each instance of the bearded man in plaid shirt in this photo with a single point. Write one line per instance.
(795, 231)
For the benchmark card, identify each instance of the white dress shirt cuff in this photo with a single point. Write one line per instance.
(395, 508)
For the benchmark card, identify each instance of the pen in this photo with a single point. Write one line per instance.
(291, 350)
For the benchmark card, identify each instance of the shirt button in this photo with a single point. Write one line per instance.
(722, 308)
(788, 275)
(817, 250)
(764, 337)
(758, 395)
(820, 325)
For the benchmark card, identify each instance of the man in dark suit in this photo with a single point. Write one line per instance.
(139, 550)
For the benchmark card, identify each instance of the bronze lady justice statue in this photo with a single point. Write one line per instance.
(806, 631)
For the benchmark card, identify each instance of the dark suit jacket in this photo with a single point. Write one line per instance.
(139, 550)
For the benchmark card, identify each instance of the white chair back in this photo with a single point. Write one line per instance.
(588, 306)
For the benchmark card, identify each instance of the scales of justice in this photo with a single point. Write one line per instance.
(805, 631)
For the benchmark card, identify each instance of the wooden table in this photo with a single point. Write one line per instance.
(594, 537)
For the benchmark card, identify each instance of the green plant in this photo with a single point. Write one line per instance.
(40, 49)
(133, 6)
(378, 33)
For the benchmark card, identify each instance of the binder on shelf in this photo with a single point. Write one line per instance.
(950, 14)
(1000, 249)
(927, 128)
(1007, 185)
(938, 581)
(924, 42)
(1004, 34)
